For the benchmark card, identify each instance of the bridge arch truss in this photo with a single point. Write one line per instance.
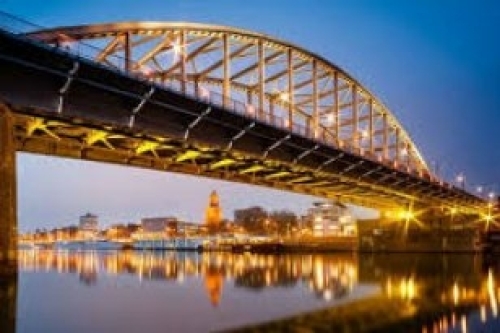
(274, 81)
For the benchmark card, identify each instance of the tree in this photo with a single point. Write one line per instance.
(282, 221)
(252, 219)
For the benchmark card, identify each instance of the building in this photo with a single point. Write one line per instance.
(89, 226)
(158, 227)
(331, 219)
(213, 213)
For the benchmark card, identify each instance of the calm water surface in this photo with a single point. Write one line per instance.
(127, 291)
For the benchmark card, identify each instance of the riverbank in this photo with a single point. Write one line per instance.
(377, 314)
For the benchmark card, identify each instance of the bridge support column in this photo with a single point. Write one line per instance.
(8, 195)
(8, 301)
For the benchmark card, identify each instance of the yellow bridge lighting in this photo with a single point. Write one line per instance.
(406, 215)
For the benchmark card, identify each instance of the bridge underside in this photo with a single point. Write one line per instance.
(67, 106)
(357, 182)
(56, 136)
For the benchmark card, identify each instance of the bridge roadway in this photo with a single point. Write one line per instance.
(181, 133)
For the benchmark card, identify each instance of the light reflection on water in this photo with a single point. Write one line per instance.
(187, 291)
(129, 291)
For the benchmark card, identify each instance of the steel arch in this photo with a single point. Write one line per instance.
(275, 81)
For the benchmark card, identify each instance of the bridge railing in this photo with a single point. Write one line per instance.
(319, 134)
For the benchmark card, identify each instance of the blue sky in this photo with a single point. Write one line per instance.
(435, 64)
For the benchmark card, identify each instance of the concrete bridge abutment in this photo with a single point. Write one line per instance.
(8, 303)
(8, 194)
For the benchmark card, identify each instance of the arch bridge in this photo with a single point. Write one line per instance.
(212, 101)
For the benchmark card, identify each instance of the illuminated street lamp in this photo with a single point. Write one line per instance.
(204, 93)
(461, 180)
(177, 48)
(284, 97)
(330, 119)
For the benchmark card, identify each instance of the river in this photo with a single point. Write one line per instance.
(130, 291)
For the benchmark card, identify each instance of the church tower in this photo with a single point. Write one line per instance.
(213, 214)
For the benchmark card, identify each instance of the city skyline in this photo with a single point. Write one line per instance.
(430, 64)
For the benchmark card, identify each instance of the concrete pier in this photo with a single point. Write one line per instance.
(8, 194)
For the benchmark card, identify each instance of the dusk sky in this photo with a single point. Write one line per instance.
(435, 64)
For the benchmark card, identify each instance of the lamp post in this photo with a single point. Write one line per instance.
(461, 181)
(479, 190)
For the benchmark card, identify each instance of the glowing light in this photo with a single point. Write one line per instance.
(364, 134)
(491, 195)
(460, 178)
(146, 71)
(204, 93)
(491, 293)
(455, 293)
(250, 109)
(454, 210)
(404, 152)
(389, 287)
(464, 324)
(65, 42)
(406, 215)
(177, 48)
(479, 189)
(286, 123)
(482, 312)
(407, 288)
(284, 96)
(330, 119)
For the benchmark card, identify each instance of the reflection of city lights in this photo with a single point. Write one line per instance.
(327, 278)
(318, 274)
(407, 288)
(444, 320)
(327, 295)
(482, 312)
(389, 287)
(464, 324)
(455, 293)
(491, 293)
(268, 277)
